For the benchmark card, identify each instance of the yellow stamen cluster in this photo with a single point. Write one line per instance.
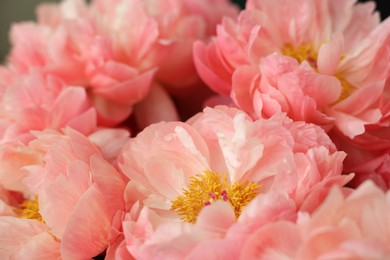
(29, 209)
(304, 52)
(347, 89)
(204, 189)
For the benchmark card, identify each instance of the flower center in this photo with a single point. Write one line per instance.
(303, 52)
(30, 209)
(347, 89)
(306, 52)
(204, 189)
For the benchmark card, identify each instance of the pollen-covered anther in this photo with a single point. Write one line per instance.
(204, 189)
(304, 52)
(29, 209)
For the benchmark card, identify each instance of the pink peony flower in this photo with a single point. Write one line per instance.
(75, 53)
(178, 169)
(73, 189)
(343, 227)
(173, 26)
(323, 62)
(115, 48)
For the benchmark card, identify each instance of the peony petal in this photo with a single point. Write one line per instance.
(155, 107)
(86, 233)
(330, 54)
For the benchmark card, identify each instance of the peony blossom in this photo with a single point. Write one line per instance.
(73, 194)
(65, 42)
(343, 227)
(172, 28)
(117, 49)
(178, 169)
(323, 62)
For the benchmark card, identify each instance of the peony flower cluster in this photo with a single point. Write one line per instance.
(191, 129)
(323, 62)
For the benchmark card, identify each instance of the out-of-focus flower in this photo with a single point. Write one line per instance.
(343, 227)
(66, 42)
(171, 26)
(323, 62)
(178, 169)
(72, 191)
(36, 101)
(116, 49)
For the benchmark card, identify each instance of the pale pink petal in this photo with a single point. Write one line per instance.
(220, 82)
(155, 107)
(350, 126)
(215, 249)
(267, 208)
(216, 218)
(368, 62)
(82, 148)
(86, 232)
(330, 54)
(129, 91)
(244, 82)
(136, 232)
(13, 157)
(110, 182)
(110, 142)
(57, 201)
(362, 22)
(109, 112)
(361, 100)
(20, 236)
(63, 112)
(85, 123)
(275, 241)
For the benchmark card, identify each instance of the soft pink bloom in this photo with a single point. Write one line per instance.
(115, 48)
(355, 226)
(324, 62)
(273, 154)
(172, 26)
(113, 87)
(36, 101)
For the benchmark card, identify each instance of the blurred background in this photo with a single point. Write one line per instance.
(21, 10)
